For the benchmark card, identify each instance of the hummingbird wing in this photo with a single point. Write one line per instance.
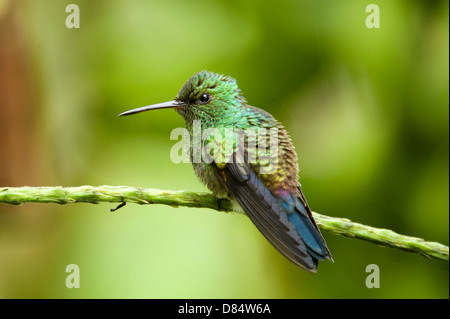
(281, 215)
(292, 233)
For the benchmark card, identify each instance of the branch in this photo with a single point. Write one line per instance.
(137, 195)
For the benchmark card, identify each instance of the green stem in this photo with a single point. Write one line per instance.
(137, 195)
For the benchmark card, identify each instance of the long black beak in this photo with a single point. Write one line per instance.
(166, 105)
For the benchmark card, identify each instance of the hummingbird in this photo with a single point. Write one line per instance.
(260, 184)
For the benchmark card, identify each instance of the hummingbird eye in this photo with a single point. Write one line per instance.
(204, 98)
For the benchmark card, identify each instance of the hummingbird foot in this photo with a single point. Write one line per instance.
(220, 203)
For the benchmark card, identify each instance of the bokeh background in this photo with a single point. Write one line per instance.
(368, 111)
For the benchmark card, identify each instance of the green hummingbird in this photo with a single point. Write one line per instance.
(261, 183)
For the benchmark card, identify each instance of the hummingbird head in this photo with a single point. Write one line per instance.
(206, 96)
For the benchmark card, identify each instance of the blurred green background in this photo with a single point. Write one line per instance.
(367, 109)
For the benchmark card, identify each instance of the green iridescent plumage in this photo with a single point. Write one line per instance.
(251, 161)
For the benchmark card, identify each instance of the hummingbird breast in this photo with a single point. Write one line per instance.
(209, 175)
(263, 144)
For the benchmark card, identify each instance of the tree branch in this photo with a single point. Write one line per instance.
(137, 195)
